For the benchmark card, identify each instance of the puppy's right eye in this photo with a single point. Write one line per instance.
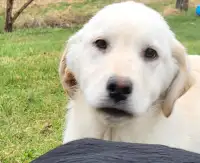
(150, 54)
(101, 44)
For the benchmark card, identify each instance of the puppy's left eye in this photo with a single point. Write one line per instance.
(101, 44)
(150, 54)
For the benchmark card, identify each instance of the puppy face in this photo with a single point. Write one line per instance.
(123, 59)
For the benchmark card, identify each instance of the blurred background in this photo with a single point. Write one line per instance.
(32, 37)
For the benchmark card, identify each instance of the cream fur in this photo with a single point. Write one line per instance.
(165, 101)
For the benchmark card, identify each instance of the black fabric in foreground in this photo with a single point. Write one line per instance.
(99, 151)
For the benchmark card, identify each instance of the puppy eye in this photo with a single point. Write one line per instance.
(101, 44)
(150, 54)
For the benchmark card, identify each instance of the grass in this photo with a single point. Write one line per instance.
(32, 102)
(31, 98)
(186, 28)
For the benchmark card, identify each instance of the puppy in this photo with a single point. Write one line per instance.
(129, 79)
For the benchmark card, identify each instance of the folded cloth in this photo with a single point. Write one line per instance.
(100, 151)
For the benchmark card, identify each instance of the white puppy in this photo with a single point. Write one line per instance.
(125, 73)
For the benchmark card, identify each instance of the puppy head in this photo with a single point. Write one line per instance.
(124, 59)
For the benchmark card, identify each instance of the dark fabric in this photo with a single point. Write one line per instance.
(99, 151)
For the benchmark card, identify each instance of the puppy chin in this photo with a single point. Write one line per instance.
(111, 120)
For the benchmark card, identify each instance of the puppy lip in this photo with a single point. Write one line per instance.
(115, 112)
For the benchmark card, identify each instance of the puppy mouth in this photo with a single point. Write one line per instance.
(115, 112)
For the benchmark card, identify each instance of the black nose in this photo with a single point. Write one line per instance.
(119, 88)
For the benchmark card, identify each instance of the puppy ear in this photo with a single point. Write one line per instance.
(181, 82)
(68, 81)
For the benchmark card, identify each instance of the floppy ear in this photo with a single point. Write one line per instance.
(182, 80)
(68, 81)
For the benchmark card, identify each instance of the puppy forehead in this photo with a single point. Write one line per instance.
(125, 17)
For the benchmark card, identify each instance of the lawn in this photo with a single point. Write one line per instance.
(32, 102)
(31, 98)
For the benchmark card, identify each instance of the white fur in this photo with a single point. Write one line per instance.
(130, 27)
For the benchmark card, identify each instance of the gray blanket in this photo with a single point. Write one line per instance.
(99, 151)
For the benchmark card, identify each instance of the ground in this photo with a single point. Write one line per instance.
(32, 102)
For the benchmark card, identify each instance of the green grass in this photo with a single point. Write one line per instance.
(186, 27)
(1, 23)
(32, 102)
(31, 98)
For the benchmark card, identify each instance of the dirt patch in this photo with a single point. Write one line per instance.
(19, 3)
(154, 1)
(64, 19)
(194, 3)
(170, 11)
